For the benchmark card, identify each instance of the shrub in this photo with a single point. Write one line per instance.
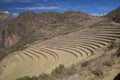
(25, 78)
(107, 63)
(28, 78)
(58, 70)
(45, 77)
(97, 72)
(108, 60)
(85, 64)
(118, 52)
(111, 45)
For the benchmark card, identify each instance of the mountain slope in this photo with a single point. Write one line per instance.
(4, 19)
(114, 15)
(67, 49)
(29, 27)
(38, 43)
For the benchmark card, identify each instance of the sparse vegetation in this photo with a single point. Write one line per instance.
(58, 70)
(108, 63)
(118, 51)
(55, 73)
(114, 15)
(97, 51)
(98, 73)
(102, 23)
(85, 64)
(95, 68)
(28, 78)
(44, 77)
(29, 27)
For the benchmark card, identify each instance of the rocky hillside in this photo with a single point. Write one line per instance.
(114, 15)
(4, 19)
(68, 45)
(4, 16)
(45, 24)
(95, 40)
(29, 27)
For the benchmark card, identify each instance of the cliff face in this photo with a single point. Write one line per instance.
(4, 35)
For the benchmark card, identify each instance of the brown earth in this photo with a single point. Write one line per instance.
(77, 46)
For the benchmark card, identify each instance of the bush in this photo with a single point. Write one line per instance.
(45, 77)
(107, 63)
(97, 72)
(118, 52)
(85, 64)
(28, 78)
(58, 70)
(108, 60)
